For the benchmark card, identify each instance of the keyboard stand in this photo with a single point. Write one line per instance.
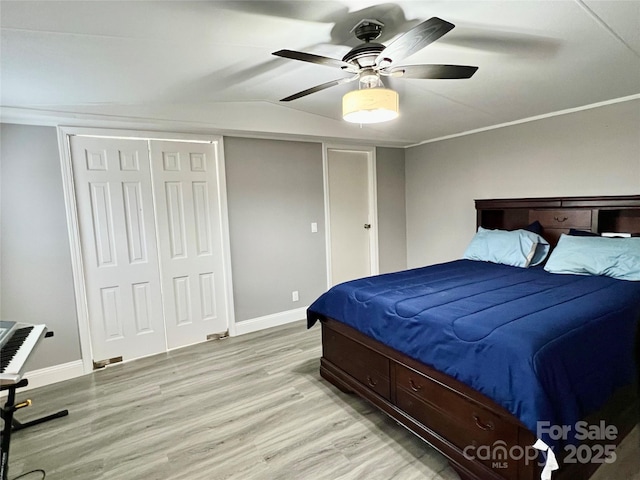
(11, 424)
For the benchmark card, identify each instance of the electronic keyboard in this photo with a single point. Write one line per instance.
(17, 342)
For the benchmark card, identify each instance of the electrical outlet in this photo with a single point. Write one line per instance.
(314, 227)
(294, 296)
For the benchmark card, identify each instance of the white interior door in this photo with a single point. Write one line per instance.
(351, 216)
(112, 184)
(185, 177)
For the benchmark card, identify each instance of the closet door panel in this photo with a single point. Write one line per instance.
(112, 182)
(185, 179)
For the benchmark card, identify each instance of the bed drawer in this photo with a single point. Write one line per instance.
(562, 218)
(365, 365)
(466, 424)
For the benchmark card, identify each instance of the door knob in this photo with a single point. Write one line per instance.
(367, 226)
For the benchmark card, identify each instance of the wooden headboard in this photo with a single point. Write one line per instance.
(558, 214)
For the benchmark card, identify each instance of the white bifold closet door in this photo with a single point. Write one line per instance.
(150, 235)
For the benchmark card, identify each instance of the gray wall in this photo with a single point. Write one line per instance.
(392, 237)
(592, 152)
(275, 192)
(36, 279)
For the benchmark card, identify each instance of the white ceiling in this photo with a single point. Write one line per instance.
(208, 64)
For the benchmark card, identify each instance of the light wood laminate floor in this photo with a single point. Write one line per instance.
(246, 408)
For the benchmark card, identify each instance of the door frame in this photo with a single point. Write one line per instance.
(68, 187)
(372, 200)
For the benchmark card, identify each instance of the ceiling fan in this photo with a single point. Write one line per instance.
(369, 60)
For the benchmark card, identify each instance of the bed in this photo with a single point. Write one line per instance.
(483, 360)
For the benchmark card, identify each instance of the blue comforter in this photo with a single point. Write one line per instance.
(546, 347)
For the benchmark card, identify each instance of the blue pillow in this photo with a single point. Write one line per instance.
(518, 248)
(582, 233)
(612, 257)
(535, 227)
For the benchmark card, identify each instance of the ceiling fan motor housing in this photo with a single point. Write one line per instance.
(364, 55)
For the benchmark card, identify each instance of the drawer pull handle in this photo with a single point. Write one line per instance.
(371, 381)
(483, 426)
(413, 385)
(560, 220)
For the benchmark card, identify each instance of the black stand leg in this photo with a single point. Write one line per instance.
(19, 425)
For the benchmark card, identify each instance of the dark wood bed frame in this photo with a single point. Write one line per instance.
(450, 415)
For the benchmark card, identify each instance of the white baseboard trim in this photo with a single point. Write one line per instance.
(54, 374)
(273, 320)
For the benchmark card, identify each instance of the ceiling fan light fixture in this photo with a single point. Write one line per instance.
(370, 105)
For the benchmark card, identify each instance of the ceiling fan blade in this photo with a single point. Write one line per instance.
(310, 57)
(431, 71)
(415, 39)
(318, 88)
(504, 42)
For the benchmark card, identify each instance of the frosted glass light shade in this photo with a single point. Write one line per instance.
(370, 105)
